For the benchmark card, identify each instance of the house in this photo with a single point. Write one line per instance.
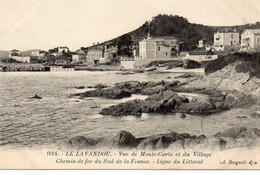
(35, 53)
(110, 54)
(94, 54)
(157, 47)
(226, 41)
(79, 56)
(250, 40)
(14, 52)
(201, 44)
(63, 48)
(42, 53)
(198, 56)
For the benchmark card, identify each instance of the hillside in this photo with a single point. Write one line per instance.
(239, 72)
(4, 54)
(188, 33)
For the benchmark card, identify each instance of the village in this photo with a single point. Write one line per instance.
(142, 51)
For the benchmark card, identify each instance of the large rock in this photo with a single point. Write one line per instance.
(191, 64)
(198, 107)
(163, 102)
(81, 142)
(238, 132)
(113, 93)
(124, 139)
(133, 107)
(198, 143)
(162, 141)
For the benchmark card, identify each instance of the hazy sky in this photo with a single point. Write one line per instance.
(44, 24)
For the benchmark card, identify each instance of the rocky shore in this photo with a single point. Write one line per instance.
(231, 138)
(164, 98)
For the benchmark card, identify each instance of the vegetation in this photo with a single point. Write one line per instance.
(188, 33)
(250, 63)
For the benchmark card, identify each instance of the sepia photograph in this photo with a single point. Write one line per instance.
(129, 84)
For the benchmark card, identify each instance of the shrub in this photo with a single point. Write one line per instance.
(251, 63)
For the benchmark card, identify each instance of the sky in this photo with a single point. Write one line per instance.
(45, 24)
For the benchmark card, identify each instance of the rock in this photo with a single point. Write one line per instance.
(133, 107)
(191, 64)
(80, 87)
(255, 114)
(198, 143)
(162, 141)
(100, 86)
(124, 139)
(113, 93)
(125, 89)
(183, 116)
(198, 107)
(81, 142)
(232, 132)
(184, 99)
(37, 97)
(163, 102)
(186, 75)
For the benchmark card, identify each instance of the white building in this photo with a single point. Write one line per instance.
(226, 41)
(250, 40)
(63, 48)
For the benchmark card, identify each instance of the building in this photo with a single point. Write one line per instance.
(63, 48)
(35, 53)
(250, 40)
(226, 41)
(42, 53)
(201, 44)
(14, 52)
(94, 54)
(79, 56)
(157, 47)
(110, 54)
(198, 56)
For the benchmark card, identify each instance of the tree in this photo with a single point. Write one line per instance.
(124, 45)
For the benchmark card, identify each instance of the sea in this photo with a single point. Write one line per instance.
(59, 116)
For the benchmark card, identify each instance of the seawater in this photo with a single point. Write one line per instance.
(48, 122)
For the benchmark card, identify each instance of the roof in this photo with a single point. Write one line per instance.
(14, 50)
(254, 31)
(160, 38)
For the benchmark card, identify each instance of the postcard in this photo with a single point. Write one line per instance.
(136, 84)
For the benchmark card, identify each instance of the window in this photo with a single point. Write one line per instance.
(258, 40)
(231, 36)
(159, 48)
(166, 53)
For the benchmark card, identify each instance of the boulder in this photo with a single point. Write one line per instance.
(124, 139)
(163, 102)
(36, 97)
(198, 143)
(233, 132)
(183, 116)
(198, 107)
(113, 93)
(255, 114)
(162, 141)
(81, 142)
(191, 64)
(133, 107)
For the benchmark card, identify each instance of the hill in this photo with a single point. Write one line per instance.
(4, 54)
(168, 25)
